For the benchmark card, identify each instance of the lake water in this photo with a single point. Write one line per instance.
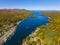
(26, 27)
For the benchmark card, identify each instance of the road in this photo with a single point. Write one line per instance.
(7, 34)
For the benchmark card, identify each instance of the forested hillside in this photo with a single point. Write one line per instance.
(10, 17)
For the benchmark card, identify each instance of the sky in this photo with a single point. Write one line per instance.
(30, 4)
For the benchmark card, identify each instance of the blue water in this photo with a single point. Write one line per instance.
(26, 27)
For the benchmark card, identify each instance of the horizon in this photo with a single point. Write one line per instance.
(27, 9)
(30, 4)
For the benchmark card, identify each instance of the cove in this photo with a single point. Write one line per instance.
(26, 27)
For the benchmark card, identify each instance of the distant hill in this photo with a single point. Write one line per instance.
(13, 11)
